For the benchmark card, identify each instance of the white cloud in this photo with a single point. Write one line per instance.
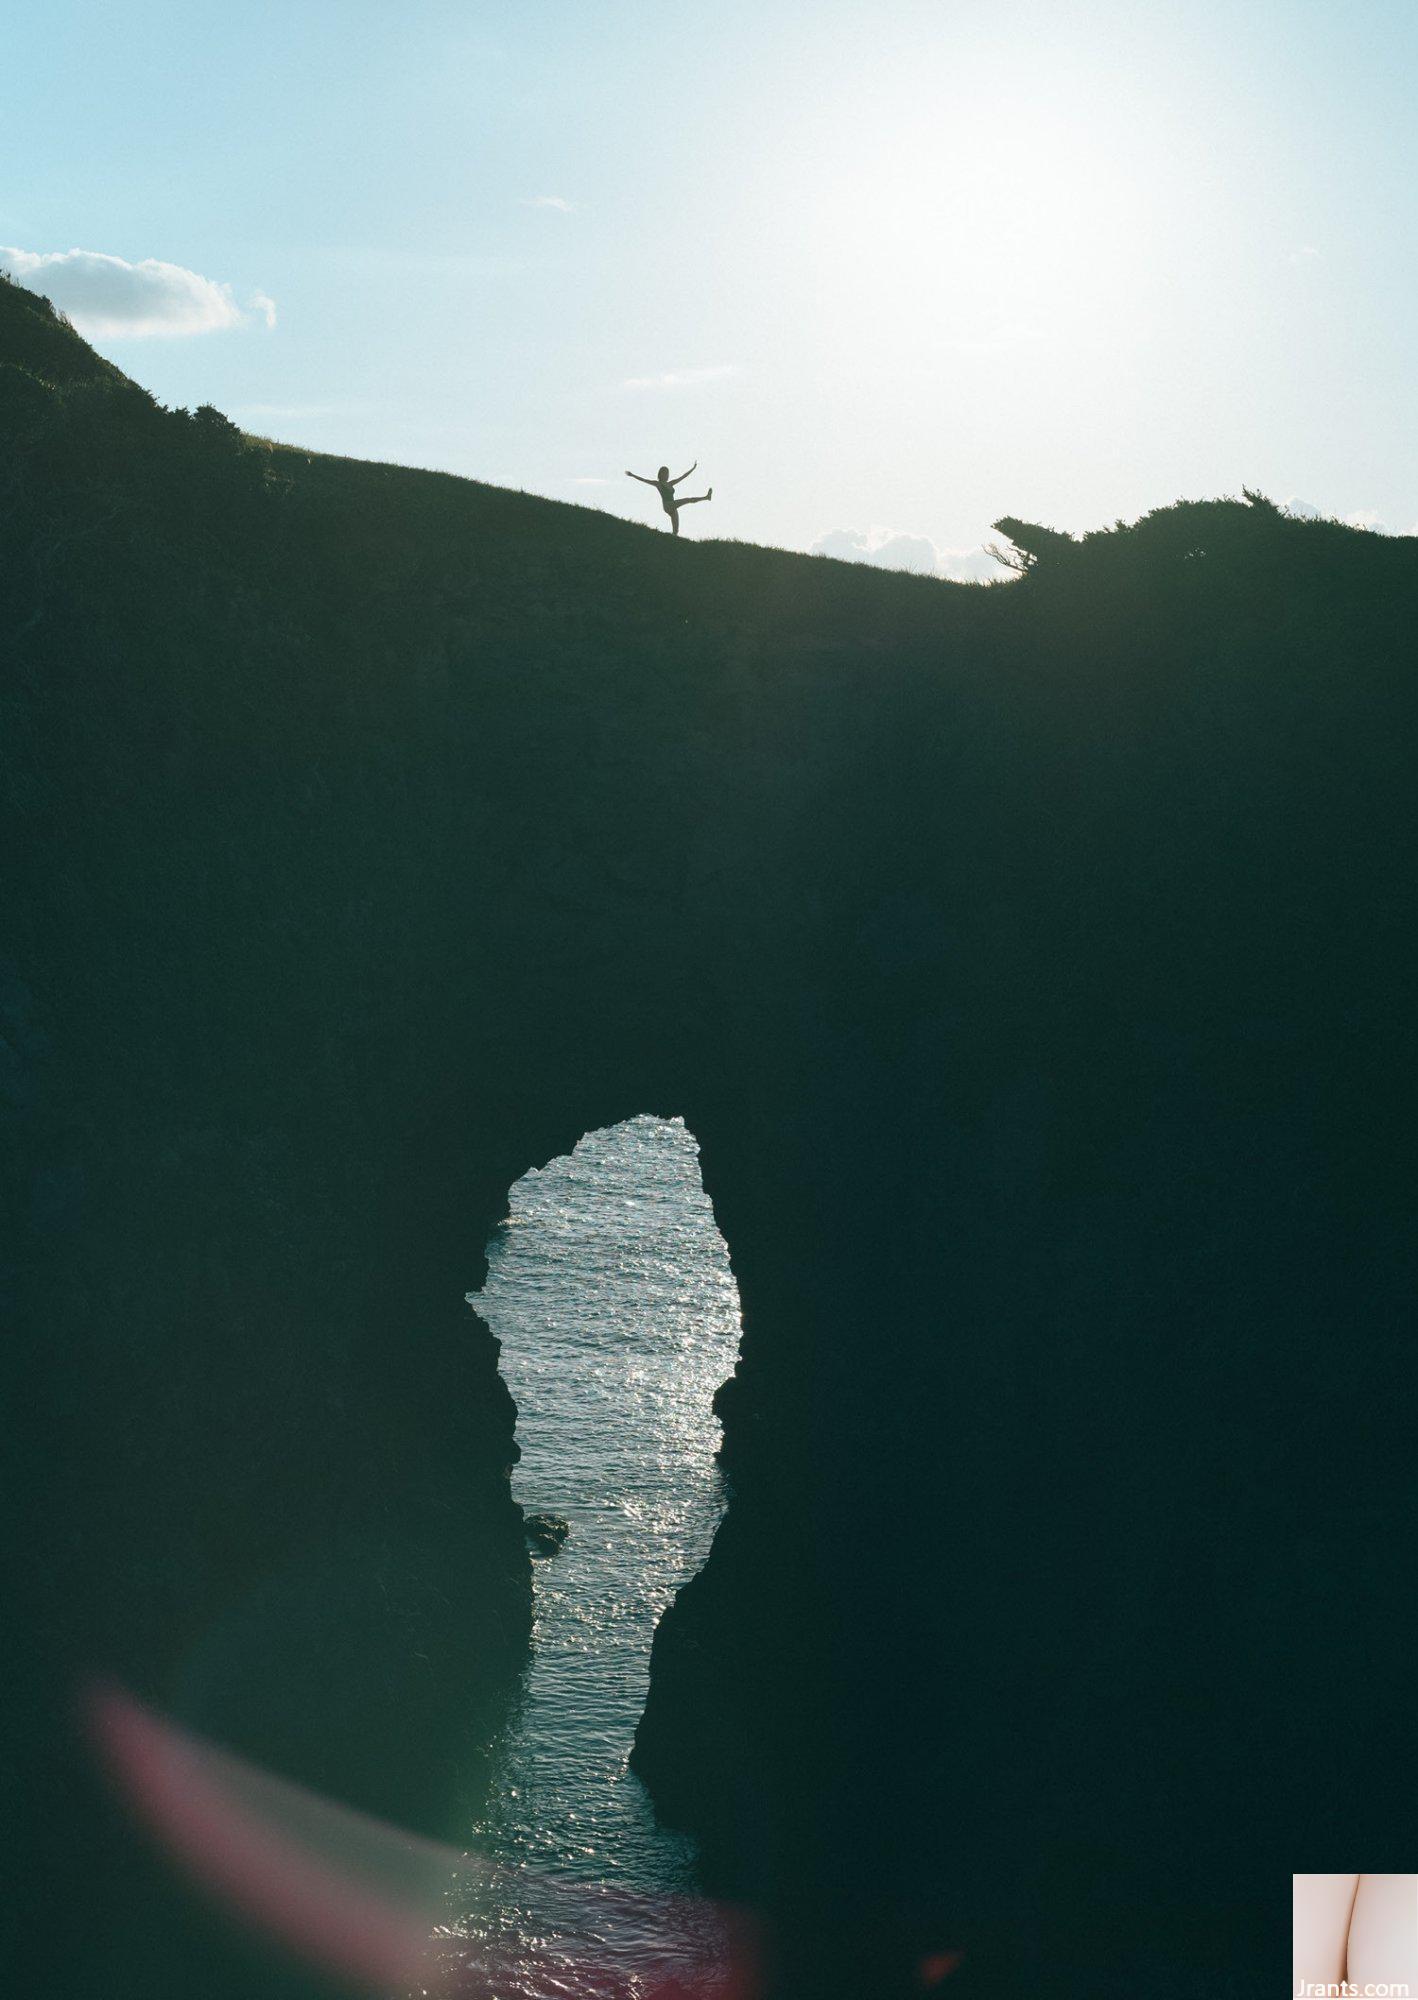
(680, 378)
(107, 297)
(555, 201)
(889, 549)
(1303, 253)
(1375, 524)
(588, 482)
(1365, 517)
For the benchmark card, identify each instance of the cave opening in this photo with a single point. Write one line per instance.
(610, 1291)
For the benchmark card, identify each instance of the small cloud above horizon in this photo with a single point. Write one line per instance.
(1303, 253)
(1367, 518)
(106, 297)
(680, 378)
(589, 481)
(556, 201)
(888, 548)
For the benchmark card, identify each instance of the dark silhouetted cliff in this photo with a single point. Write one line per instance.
(1034, 967)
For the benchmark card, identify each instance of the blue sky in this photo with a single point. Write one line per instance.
(885, 272)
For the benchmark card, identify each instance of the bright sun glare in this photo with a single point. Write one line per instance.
(1012, 226)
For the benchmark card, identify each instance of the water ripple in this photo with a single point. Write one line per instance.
(611, 1292)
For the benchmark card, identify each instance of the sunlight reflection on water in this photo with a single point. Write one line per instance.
(611, 1292)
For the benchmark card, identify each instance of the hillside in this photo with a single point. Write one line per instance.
(35, 337)
(1033, 966)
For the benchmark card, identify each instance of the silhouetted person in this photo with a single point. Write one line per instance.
(665, 487)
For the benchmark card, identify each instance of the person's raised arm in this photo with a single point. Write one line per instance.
(641, 477)
(684, 475)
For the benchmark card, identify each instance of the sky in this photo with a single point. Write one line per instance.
(886, 272)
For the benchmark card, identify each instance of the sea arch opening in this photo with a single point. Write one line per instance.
(609, 1289)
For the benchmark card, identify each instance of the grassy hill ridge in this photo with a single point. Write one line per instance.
(1031, 965)
(384, 527)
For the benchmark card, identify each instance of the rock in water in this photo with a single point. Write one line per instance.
(546, 1533)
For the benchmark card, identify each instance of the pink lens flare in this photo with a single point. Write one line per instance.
(369, 1903)
(366, 1901)
(228, 1826)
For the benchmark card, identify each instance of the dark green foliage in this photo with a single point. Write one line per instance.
(35, 336)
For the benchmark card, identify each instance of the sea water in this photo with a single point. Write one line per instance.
(609, 1288)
